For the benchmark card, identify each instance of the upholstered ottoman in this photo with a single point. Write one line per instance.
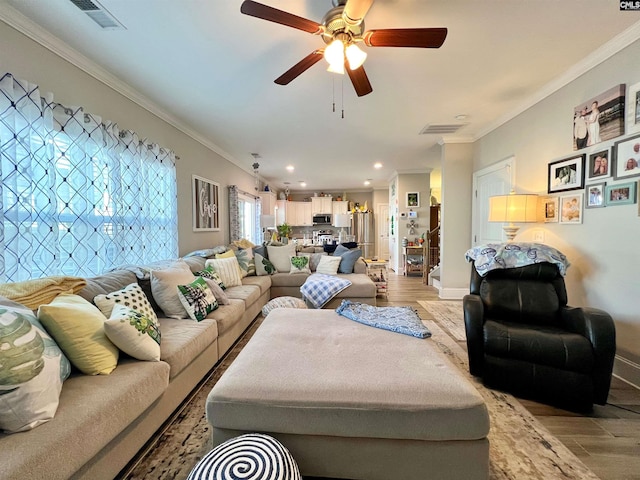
(352, 401)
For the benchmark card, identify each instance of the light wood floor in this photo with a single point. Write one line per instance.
(607, 440)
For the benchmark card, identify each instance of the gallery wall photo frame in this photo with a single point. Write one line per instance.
(632, 122)
(571, 208)
(206, 204)
(598, 165)
(550, 209)
(595, 195)
(413, 199)
(620, 194)
(566, 174)
(600, 118)
(626, 158)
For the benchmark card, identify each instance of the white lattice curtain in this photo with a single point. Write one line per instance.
(78, 195)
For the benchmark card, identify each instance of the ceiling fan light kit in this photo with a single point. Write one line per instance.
(341, 28)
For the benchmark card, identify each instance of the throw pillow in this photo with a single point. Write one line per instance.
(33, 370)
(254, 456)
(218, 292)
(198, 299)
(263, 265)
(281, 256)
(349, 258)
(210, 273)
(78, 328)
(300, 264)
(134, 333)
(329, 265)
(314, 260)
(130, 296)
(261, 249)
(283, 302)
(164, 287)
(228, 269)
(246, 261)
(226, 254)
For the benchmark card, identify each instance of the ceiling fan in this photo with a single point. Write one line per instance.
(341, 29)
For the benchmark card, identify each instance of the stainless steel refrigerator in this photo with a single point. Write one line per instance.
(362, 228)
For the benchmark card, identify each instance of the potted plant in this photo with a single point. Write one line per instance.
(283, 231)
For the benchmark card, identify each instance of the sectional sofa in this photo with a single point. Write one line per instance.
(102, 421)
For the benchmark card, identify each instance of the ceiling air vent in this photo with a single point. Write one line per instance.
(442, 129)
(98, 14)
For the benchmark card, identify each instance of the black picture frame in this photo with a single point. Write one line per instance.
(566, 174)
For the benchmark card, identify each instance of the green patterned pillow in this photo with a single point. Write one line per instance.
(210, 273)
(197, 299)
(300, 265)
(130, 296)
(33, 369)
(133, 333)
(263, 265)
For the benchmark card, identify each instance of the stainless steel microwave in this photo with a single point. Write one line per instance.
(322, 219)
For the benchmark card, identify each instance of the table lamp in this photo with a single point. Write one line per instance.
(513, 208)
(342, 220)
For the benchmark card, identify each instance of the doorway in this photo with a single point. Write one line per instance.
(494, 180)
(382, 225)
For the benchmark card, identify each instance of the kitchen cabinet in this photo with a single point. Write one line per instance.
(321, 205)
(298, 214)
(281, 212)
(339, 207)
(269, 200)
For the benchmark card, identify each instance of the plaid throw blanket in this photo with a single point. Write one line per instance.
(319, 288)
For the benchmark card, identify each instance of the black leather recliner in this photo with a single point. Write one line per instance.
(523, 338)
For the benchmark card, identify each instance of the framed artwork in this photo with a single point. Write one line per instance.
(550, 209)
(206, 201)
(633, 109)
(620, 194)
(566, 174)
(571, 208)
(600, 118)
(595, 195)
(413, 199)
(626, 158)
(598, 165)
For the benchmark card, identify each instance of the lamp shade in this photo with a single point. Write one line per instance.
(342, 220)
(513, 208)
(267, 221)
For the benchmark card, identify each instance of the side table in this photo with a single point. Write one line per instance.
(377, 271)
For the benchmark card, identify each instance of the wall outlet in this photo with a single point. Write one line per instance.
(538, 236)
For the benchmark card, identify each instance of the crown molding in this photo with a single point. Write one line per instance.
(598, 56)
(35, 32)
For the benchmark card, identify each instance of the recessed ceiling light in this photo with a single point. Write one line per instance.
(303, 183)
(367, 182)
(290, 168)
(377, 165)
(461, 117)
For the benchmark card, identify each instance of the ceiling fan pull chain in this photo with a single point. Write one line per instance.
(342, 94)
(333, 92)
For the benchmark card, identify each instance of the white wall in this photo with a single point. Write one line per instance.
(604, 249)
(30, 61)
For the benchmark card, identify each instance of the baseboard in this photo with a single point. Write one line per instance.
(452, 293)
(627, 371)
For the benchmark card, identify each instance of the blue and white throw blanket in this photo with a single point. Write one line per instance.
(396, 319)
(319, 288)
(494, 256)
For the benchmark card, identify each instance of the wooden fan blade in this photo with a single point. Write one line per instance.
(359, 79)
(355, 10)
(300, 67)
(271, 14)
(406, 37)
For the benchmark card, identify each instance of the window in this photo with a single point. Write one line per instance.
(247, 217)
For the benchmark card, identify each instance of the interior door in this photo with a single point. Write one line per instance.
(494, 180)
(382, 225)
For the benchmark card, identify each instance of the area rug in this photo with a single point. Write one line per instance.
(448, 315)
(520, 446)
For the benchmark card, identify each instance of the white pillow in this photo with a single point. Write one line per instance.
(35, 390)
(300, 264)
(133, 333)
(164, 288)
(221, 297)
(263, 265)
(280, 256)
(328, 265)
(130, 296)
(228, 269)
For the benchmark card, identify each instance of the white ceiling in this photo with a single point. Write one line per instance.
(211, 69)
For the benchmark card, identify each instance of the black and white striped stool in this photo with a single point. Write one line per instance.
(253, 456)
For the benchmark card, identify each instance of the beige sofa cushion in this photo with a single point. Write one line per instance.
(227, 316)
(183, 340)
(263, 282)
(247, 293)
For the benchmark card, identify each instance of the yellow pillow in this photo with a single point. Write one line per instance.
(78, 328)
(227, 254)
